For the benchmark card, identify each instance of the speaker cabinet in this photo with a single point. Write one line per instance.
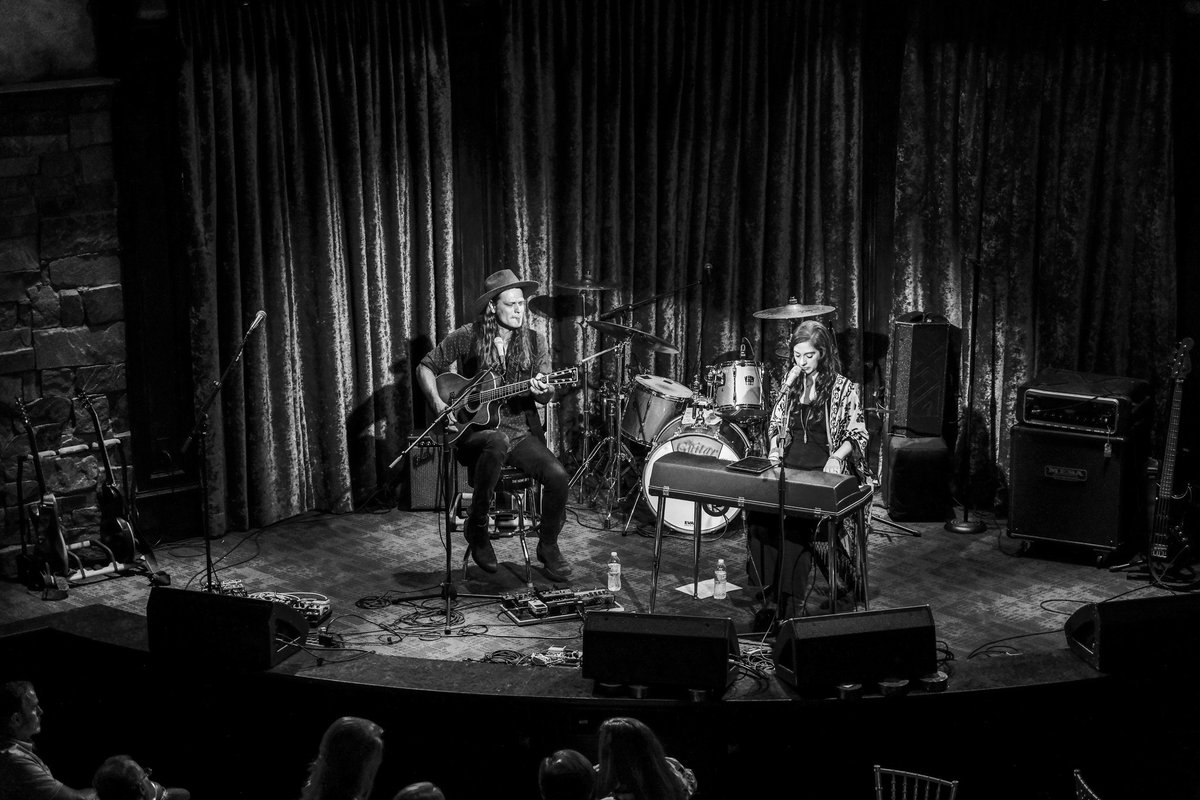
(920, 363)
(916, 484)
(659, 650)
(1076, 488)
(1143, 635)
(815, 654)
(203, 630)
(424, 464)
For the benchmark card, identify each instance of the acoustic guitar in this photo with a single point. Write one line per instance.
(49, 543)
(1167, 541)
(479, 404)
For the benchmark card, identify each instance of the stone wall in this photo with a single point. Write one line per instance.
(62, 315)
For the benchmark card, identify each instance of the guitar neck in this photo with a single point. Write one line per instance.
(34, 453)
(108, 470)
(512, 389)
(1167, 473)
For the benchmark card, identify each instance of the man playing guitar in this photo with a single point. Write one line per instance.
(501, 341)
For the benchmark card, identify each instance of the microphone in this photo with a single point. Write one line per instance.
(258, 320)
(793, 376)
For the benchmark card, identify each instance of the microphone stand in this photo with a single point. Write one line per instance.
(200, 431)
(446, 590)
(967, 525)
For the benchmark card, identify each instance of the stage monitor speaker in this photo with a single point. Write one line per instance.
(815, 654)
(916, 484)
(1076, 488)
(424, 464)
(1138, 636)
(920, 363)
(203, 630)
(659, 650)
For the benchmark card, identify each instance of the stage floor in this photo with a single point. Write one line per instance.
(988, 599)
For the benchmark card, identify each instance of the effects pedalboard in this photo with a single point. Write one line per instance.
(534, 606)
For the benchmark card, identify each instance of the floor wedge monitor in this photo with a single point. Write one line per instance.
(659, 650)
(201, 630)
(816, 654)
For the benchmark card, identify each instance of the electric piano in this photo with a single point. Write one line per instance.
(705, 479)
(811, 494)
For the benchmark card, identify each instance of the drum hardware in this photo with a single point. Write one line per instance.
(585, 287)
(614, 456)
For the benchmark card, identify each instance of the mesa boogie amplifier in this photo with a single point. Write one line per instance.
(1084, 402)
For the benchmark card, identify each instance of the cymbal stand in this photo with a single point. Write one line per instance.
(584, 396)
(613, 452)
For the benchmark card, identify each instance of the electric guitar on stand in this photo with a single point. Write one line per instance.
(1167, 541)
(117, 530)
(480, 399)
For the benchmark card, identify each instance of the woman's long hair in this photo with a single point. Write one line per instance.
(487, 328)
(830, 366)
(345, 767)
(632, 761)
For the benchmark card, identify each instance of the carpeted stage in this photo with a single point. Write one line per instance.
(470, 712)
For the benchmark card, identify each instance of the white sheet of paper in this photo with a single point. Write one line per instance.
(706, 588)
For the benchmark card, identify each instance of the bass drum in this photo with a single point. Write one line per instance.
(706, 436)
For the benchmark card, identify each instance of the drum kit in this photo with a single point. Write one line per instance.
(724, 414)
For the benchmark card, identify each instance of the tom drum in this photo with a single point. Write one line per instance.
(653, 401)
(737, 389)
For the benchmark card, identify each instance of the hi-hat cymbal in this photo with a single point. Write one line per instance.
(622, 331)
(587, 285)
(793, 310)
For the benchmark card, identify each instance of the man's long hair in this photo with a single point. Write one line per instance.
(518, 360)
(830, 365)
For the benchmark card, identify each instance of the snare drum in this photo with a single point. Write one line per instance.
(723, 440)
(736, 388)
(653, 401)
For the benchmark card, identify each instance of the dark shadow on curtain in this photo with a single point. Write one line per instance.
(315, 140)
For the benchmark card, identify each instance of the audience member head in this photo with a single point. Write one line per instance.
(566, 775)
(121, 778)
(632, 762)
(345, 767)
(422, 790)
(20, 709)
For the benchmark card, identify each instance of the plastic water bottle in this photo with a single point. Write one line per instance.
(719, 580)
(614, 572)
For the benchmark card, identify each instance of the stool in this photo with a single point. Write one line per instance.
(516, 484)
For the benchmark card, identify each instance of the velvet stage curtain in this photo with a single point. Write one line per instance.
(641, 140)
(316, 180)
(1035, 142)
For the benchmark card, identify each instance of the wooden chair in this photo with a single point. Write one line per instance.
(895, 784)
(1082, 790)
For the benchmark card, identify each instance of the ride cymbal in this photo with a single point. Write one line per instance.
(794, 310)
(627, 331)
(587, 285)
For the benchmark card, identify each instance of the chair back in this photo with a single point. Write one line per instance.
(1082, 790)
(896, 784)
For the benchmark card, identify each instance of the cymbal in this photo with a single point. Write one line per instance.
(793, 310)
(622, 331)
(587, 285)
